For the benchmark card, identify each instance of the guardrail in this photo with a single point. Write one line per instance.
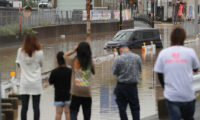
(196, 83)
(145, 19)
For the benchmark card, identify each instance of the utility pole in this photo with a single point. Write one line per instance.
(196, 18)
(88, 25)
(154, 10)
(0, 99)
(167, 9)
(20, 19)
(120, 22)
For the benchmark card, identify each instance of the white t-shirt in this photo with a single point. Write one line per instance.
(177, 64)
(31, 78)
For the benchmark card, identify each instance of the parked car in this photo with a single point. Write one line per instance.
(45, 4)
(135, 38)
(5, 3)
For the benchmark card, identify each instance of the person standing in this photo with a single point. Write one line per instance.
(175, 18)
(127, 68)
(29, 60)
(61, 79)
(175, 66)
(82, 70)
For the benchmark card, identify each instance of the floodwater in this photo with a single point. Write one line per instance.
(104, 106)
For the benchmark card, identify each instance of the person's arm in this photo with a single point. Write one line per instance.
(70, 79)
(195, 62)
(115, 67)
(159, 69)
(51, 78)
(161, 79)
(93, 69)
(140, 64)
(70, 52)
(41, 58)
(18, 61)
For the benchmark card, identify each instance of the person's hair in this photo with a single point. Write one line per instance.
(60, 58)
(84, 56)
(178, 36)
(30, 45)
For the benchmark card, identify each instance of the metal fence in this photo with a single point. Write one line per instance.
(10, 19)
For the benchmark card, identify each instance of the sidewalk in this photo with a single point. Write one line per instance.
(99, 110)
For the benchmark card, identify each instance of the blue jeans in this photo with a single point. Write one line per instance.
(127, 94)
(36, 104)
(62, 103)
(178, 110)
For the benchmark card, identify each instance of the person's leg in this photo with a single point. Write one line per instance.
(74, 107)
(121, 101)
(25, 101)
(87, 106)
(132, 95)
(67, 111)
(188, 110)
(36, 106)
(59, 111)
(174, 110)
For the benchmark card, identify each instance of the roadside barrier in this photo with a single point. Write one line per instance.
(10, 108)
(115, 52)
(148, 49)
(10, 87)
(10, 99)
(191, 41)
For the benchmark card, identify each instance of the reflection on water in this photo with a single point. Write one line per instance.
(50, 48)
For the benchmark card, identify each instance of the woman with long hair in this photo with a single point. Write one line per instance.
(29, 60)
(82, 70)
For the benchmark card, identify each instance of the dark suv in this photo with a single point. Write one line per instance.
(135, 38)
(5, 3)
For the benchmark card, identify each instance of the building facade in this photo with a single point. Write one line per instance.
(64, 5)
(81, 4)
(165, 10)
(106, 4)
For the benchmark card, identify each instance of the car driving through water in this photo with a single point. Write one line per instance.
(135, 38)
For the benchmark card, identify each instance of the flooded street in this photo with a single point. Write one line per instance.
(104, 106)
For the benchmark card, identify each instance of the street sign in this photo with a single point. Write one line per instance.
(27, 11)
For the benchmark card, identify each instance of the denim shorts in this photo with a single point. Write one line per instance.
(61, 103)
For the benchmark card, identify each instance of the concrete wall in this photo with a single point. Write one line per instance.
(72, 29)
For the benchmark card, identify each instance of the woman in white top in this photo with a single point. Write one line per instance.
(29, 59)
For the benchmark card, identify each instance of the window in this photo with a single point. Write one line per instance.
(156, 33)
(122, 36)
(138, 36)
(148, 34)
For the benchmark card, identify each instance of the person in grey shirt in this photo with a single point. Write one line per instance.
(127, 68)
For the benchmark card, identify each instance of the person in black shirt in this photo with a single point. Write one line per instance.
(61, 79)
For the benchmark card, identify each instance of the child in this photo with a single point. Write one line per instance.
(61, 79)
